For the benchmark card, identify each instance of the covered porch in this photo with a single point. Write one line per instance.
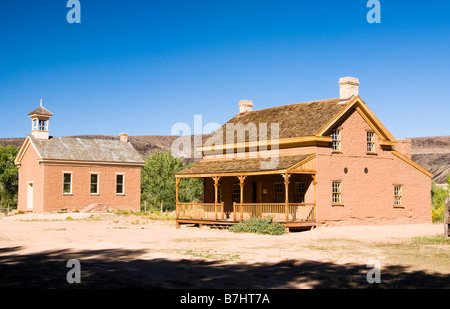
(239, 189)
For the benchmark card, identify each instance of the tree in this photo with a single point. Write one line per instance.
(9, 176)
(438, 195)
(190, 190)
(158, 182)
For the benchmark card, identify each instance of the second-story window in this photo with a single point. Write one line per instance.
(370, 142)
(336, 140)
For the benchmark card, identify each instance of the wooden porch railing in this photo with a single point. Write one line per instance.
(245, 211)
(209, 211)
(278, 211)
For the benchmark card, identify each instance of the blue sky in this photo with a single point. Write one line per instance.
(142, 66)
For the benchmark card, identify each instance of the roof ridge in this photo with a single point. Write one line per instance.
(291, 104)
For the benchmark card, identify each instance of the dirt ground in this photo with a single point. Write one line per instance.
(133, 252)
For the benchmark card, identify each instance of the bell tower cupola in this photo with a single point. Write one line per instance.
(39, 122)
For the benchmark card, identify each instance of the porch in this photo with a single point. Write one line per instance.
(292, 215)
(234, 192)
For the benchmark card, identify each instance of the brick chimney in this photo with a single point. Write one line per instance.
(245, 106)
(124, 137)
(348, 87)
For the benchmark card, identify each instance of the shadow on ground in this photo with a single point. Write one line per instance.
(123, 268)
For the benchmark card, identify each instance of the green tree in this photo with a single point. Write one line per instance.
(191, 189)
(438, 195)
(158, 182)
(9, 176)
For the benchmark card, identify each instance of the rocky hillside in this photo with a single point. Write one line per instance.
(433, 153)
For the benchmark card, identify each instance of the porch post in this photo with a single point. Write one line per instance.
(315, 195)
(177, 186)
(241, 184)
(286, 191)
(216, 189)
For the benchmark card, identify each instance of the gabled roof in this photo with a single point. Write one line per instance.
(74, 149)
(298, 124)
(295, 120)
(41, 110)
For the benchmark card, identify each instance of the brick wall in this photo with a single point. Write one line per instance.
(368, 185)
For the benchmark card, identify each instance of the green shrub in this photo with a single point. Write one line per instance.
(259, 226)
(438, 196)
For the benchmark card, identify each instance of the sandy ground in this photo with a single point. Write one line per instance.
(127, 251)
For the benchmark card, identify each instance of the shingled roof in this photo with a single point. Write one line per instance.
(41, 110)
(92, 150)
(249, 165)
(295, 120)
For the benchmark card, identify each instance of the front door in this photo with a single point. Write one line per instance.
(259, 192)
(30, 195)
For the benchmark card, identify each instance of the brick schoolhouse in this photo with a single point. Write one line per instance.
(76, 174)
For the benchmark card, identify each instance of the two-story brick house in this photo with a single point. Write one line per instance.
(329, 161)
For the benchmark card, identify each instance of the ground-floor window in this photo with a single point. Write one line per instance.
(236, 193)
(219, 194)
(299, 192)
(337, 192)
(67, 183)
(94, 184)
(278, 192)
(398, 196)
(120, 181)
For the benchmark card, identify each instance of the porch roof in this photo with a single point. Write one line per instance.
(248, 166)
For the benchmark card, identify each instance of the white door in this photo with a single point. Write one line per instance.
(30, 195)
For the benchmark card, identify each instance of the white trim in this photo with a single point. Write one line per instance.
(338, 139)
(71, 182)
(23, 150)
(337, 194)
(98, 183)
(123, 184)
(398, 196)
(28, 194)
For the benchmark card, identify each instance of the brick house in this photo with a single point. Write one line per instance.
(76, 174)
(330, 161)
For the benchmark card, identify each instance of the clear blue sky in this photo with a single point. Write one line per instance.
(142, 66)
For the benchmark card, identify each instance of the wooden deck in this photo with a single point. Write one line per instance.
(292, 215)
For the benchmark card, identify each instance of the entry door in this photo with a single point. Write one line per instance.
(30, 195)
(259, 192)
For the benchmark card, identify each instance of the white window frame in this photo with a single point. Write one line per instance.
(336, 140)
(98, 183)
(398, 196)
(370, 137)
(123, 184)
(336, 189)
(64, 182)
